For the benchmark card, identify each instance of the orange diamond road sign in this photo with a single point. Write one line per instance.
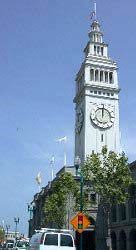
(80, 222)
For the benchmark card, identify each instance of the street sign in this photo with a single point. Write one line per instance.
(80, 222)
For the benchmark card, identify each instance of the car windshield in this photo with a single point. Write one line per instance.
(10, 241)
(21, 244)
(10, 245)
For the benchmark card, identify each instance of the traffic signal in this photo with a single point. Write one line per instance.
(80, 221)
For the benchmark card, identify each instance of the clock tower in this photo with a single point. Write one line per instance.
(96, 99)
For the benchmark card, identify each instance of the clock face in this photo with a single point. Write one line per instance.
(102, 117)
(79, 120)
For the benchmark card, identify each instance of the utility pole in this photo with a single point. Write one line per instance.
(78, 173)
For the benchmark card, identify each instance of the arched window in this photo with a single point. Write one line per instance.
(113, 241)
(132, 240)
(92, 75)
(106, 76)
(101, 76)
(96, 75)
(111, 77)
(122, 240)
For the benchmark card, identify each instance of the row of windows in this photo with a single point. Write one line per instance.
(101, 93)
(98, 50)
(101, 76)
(122, 211)
(97, 38)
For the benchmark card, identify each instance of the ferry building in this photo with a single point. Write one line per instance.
(96, 125)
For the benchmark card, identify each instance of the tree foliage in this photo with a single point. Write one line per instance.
(109, 175)
(63, 190)
(2, 235)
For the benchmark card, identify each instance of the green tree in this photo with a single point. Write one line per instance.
(2, 235)
(110, 177)
(61, 200)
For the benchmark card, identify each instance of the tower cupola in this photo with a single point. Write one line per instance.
(95, 34)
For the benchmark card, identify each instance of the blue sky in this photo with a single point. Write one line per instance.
(41, 49)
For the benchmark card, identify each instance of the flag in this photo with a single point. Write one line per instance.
(52, 160)
(62, 139)
(38, 178)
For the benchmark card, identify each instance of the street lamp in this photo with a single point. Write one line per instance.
(16, 220)
(77, 164)
(7, 230)
(31, 208)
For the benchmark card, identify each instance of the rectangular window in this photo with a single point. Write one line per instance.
(51, 240)
(102, 138)
(106, 76)
(111, 77)
(101, 76)
(102, 51)
(133, 208)
(66, 241)
(114, 214)
(122, 212)
(91, 75)
(96, 75)
(98, 50)
(94, 49)
(93, 197)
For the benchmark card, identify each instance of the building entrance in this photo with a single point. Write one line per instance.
(88, 240)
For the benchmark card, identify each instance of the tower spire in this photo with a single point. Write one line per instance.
(95, 10)
(93, 13)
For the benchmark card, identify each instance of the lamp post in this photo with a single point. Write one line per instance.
(78, 173)
(16, 220)
(31, 208)
(7, 230)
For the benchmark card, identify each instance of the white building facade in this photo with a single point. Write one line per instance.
(96, 99)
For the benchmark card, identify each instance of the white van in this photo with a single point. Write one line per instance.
(52, 239)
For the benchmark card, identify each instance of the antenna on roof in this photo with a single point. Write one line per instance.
(93, 13)
(95, 9)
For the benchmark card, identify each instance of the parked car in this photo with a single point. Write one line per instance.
(21, 245)
(9, 244)
(52, 239)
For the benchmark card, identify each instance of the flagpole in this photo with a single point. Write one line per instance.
(65, 154)
(52, 169)
(64, 140)
(95, 9)
(52, 172)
